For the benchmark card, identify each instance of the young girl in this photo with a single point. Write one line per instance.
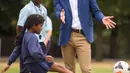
(32, 56)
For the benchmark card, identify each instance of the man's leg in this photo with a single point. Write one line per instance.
(83, 50)
(69, 53)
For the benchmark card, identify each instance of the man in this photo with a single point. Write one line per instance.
(34, 7)
(76, 30)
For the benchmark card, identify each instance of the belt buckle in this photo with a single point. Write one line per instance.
(79, 31)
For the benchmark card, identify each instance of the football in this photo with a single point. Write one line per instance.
(121, 67)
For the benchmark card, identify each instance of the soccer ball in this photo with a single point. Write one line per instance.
(121, 67)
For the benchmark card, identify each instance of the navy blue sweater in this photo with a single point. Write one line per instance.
(31, 51)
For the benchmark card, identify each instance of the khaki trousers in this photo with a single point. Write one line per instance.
(79, 45)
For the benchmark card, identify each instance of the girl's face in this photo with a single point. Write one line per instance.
(37, 28)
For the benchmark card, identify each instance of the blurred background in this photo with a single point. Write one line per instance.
(109, 44)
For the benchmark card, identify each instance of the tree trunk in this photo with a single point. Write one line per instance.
(113, 44)
(99, 48)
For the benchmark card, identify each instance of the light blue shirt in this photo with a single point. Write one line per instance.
(29, 9)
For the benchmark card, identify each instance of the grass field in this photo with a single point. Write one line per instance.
(97, 67)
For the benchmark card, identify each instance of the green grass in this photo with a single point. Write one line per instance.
(101, 70)
(94, 70)
(97, 67)
(12, 70)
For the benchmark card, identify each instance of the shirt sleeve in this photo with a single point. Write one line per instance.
(14, 55)
(24, 13)
(44, 14)
(96, 12)
(58, 8)
(35, 49)
(49, 24)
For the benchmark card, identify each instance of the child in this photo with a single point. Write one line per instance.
(32, 55)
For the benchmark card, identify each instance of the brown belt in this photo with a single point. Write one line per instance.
(78, 31)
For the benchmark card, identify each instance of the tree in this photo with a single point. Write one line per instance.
(9, 10)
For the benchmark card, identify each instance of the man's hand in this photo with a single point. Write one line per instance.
(62, 16)
(108, 22)
(49, 58)
(5, 69)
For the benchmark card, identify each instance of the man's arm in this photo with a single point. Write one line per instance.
(58, 8)
(96, 11)
(106, 20)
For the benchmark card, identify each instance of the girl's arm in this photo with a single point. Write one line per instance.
(14, 55)
(35, 49)
(12, 58)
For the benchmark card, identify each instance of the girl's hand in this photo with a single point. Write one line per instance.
(5, 68)
(49, 58)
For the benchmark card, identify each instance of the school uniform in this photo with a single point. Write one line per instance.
(32, 55)
(47, 26)
(29, 9)
(16, 53)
